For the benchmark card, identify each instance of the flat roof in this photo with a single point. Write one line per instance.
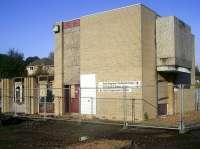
(101, 12)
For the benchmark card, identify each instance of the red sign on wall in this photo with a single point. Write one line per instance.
(71, 24)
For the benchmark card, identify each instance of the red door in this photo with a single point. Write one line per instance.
(74, 104)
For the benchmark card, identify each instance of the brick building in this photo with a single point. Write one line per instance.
(131, 46)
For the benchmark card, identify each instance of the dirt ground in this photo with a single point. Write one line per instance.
(189, 118)
(54, 134)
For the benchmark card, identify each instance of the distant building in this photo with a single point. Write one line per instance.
(43, 65)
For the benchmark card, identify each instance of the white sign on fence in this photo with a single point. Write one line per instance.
(120, 86)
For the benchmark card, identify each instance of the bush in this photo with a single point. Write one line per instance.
(197, 85)
(146, 117)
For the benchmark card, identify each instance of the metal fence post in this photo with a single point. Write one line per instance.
(91, 105)
(45, 107)
(38, 98)
(197, 99)
(79, 94)
(25, 100)
(59, 98)
(1, 96)
(181, 124)
(15, 105)
(134, 110)
(125, 108)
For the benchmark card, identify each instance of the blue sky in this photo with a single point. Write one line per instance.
(27, 24)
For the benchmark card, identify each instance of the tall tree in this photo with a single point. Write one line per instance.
(31, 59)
(51, 57)
(12, 64)
(13, 53)
(197, 73)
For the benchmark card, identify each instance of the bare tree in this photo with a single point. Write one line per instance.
(51, 57)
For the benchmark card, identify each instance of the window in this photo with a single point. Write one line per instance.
(31, 68)
(17, 93)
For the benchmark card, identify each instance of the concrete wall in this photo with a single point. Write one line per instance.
(58, 70)
(190, 93)
(165, 41)
(6, 94)
(175, 47)
(174, 42)
(193, 79)
(162, 89)
(188, 100)
(30, 95)
(66, 60)
(71, 55)
(183, 44)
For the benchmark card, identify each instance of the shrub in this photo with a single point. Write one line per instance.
(146, 117)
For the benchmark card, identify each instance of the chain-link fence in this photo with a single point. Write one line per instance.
(165, 106)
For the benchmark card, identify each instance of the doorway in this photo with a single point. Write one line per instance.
(66, 98)
(162, 109)
(71, 98)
